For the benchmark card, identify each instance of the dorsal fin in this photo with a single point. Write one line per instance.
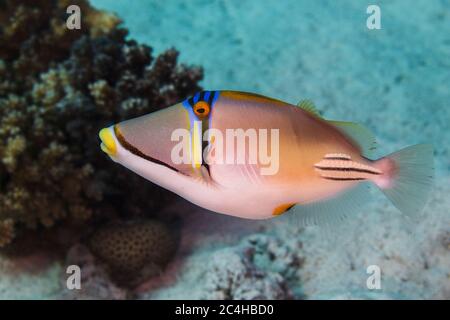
(309, 106)
(359, 134)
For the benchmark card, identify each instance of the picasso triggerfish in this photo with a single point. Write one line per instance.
(255, 157)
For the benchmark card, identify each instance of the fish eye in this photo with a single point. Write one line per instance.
(201, 109)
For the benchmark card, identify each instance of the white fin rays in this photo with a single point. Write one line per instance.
(334, 210)
(413, 180)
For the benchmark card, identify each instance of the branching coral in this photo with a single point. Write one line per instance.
(58, 87)
(6, 231)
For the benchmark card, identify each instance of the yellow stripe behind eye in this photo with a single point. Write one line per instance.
(197, 144)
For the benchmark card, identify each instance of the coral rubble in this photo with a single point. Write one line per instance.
(58, 87)
(95, 282)
(258, 267)
(261, 267)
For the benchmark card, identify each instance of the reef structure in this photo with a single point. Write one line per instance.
(133, 251)
(58, 87)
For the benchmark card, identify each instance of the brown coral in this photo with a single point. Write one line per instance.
(58, 87)
(6, 231)
(133, 250)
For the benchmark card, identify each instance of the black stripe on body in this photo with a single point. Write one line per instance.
(337, 158)
(347, 169)
(344, 179)
(138, 152)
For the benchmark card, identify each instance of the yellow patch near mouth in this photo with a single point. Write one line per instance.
(108, 144)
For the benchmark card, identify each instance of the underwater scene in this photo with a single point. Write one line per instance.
(224, 150)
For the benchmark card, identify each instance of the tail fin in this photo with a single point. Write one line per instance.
(407, 178)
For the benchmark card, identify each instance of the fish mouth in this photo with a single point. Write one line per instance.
(108, 144)
(112, 136)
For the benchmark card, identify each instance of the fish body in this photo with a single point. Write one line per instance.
(256, 157)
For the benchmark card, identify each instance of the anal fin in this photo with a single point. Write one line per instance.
(329, 212)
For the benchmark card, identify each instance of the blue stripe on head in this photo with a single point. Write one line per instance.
(212, 99)
(209, 97)
(216, 95)
(196, 97)
(186, 104)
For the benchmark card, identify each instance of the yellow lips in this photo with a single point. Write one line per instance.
(108, 144)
